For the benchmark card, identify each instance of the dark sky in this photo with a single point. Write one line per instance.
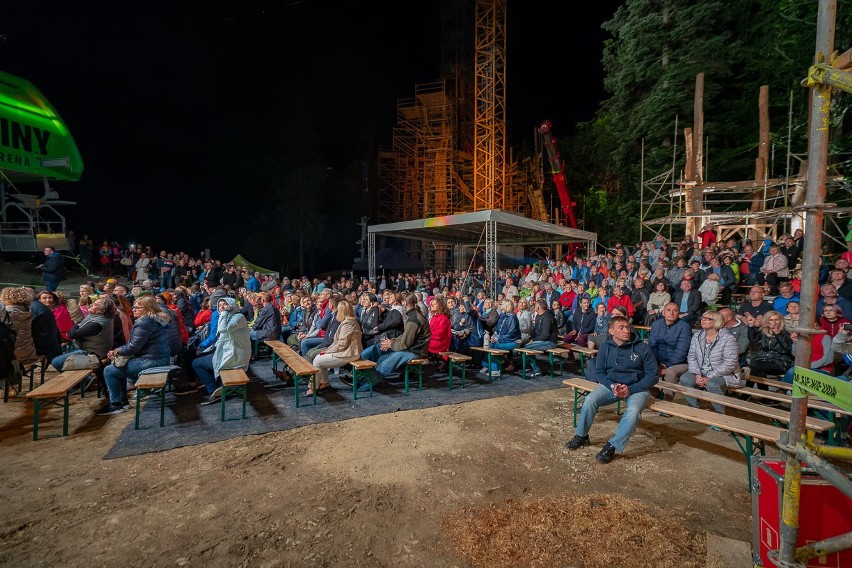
(171, 102)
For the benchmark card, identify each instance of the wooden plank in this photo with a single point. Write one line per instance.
(815, 403)
(415, 362)
(234, 377)
(585, 350)
(361, 364)
(580, 383)
(152, 381)
(768, 382)
(528, 351)
(723, 421)
(754, 408)
(457, 357)
(296, 362)
(60, 384)
(490, 350)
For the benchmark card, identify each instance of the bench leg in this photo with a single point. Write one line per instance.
(406, 377)
(162, 407)
(450, 376)
(354, 383)
(464, 369)
(576, 401)
(490, 380)
(63, 402)
(420, 377)
(243, 390)
(583, 364)
(748, 447)
(36, 408)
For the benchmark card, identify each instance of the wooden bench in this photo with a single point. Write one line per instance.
(753, 434)
(360, 365)
(775, 414)
(491, 351)
(155, 384)
(583, 352)
(236, 380)
(56, 392)
(582, 387)
(524, 352)
(560, 352)
(814, 403)
(644, 331)
(452, 358)
(297, 364)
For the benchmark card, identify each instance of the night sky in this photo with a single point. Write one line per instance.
(170, 103)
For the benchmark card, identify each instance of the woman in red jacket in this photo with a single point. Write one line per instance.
(439, 325)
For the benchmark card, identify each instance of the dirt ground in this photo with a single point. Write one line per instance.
(412, 488)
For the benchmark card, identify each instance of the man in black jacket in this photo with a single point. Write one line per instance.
(543, 335)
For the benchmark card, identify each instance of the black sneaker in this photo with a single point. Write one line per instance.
(606, 454)
(111, 409)
(214, 399)
(346, 380)
(577, 442)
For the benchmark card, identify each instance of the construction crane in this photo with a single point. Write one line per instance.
(557, 170)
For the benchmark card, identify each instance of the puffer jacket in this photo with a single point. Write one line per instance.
(21, 322)
(723, 358)
(149, 338)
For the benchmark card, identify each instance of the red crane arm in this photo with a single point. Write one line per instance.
(556, 168)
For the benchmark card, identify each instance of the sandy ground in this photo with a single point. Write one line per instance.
(375, 491)
(366, 492)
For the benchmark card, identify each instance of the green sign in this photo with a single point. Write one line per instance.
(34, 140)
(827, 387)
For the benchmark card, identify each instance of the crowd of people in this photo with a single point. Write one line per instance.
(208, 315)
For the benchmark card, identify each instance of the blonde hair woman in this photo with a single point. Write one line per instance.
(713, 359)
(148, 346)
(345, 347)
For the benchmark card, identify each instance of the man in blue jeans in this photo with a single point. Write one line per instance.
(391, 354)
(626, 370)
(544, 332)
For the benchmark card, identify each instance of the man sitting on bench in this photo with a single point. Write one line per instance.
(626, 369)
(391, 354)
(544, 334)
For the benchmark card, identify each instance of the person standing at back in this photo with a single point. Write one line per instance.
(51, 269)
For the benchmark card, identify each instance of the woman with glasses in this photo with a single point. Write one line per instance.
(148, 347)
(712, 360)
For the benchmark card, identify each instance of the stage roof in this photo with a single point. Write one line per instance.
(469, 229)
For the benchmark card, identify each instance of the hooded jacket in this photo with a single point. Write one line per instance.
(233, 341)
(149, 339)
(630, 363)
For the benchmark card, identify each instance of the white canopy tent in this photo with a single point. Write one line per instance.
(488, 228)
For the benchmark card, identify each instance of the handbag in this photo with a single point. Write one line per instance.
(78, 361)
(121, 360)
(125, 261)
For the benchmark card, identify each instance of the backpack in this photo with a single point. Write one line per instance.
(198, 336)
(10, 370)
